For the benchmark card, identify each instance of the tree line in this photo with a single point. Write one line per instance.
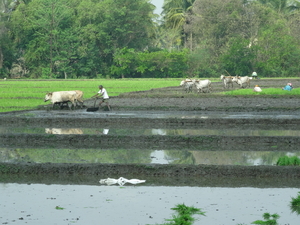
(70, 39)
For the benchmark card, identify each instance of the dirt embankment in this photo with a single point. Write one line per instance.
(150, 170)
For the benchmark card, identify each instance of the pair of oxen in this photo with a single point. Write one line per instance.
(64, 97)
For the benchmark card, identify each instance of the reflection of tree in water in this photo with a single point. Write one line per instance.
(179, 157)
(270, 157)
(85, 155)
(131, 156)
(11, 155)
(237, 157)
(141, 156)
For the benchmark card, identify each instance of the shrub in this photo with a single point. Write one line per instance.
(295, 204)
(184, 215)
(268, 219)
(288, 161)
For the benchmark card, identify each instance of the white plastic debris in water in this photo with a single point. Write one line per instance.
(121, 181)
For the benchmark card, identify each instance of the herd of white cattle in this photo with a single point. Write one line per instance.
(203, 86)
(63, 97)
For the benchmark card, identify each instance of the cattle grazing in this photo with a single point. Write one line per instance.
(201, 85)
(241, 81)
(61, 97)
(187, 84)
(227, 80)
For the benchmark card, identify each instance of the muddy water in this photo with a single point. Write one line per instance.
(140, 204)
(138, 156)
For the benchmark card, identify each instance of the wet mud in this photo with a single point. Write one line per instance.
(158, 109)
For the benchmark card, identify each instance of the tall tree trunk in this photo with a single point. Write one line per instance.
(191, 41)
(1, 58)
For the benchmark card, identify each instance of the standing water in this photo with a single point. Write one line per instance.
(37, 204)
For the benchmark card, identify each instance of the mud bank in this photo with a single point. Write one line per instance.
(209, 142)
(52, 176)
(286, 121)
(151, 170)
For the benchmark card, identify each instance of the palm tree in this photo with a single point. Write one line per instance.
(175, 16)
(174, 12)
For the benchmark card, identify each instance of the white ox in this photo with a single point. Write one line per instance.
(79, 97)
(187, 84)
(202, 84)
(227, 80)
(241, 81)
(61, 97)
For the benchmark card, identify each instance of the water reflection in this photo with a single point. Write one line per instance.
(134, 131)
(63, 131)
(137, 156)
(105, 131)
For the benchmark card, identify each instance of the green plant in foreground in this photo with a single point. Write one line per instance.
(295, 204)
(268, 219)
(288, 161)
(184, 215)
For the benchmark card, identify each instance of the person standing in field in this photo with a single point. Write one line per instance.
(105, 98)
(254, 75)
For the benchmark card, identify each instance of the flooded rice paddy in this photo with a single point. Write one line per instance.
(72, 197)
(135, 155)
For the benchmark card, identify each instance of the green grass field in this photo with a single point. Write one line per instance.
(28, 94)
(266, 92)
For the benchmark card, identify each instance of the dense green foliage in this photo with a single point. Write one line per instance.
(115, 39)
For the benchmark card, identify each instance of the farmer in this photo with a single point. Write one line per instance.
(288, 87)
(257, 89)
(102, 93)
(254, 75)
